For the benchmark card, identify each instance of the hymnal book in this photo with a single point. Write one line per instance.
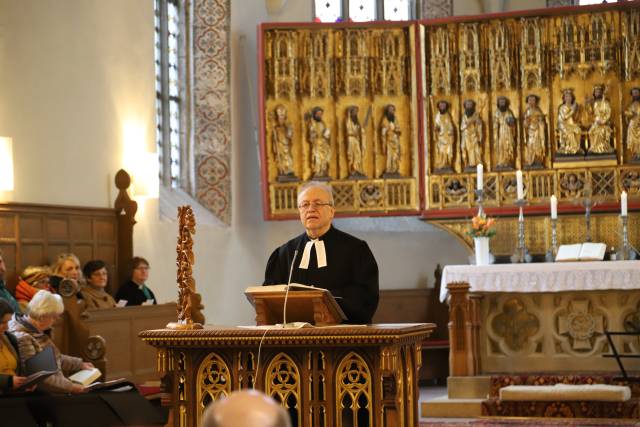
(582, 252)
(43, 361)
(280, 288)
(119, 385)
(34, 379)
(86, 376)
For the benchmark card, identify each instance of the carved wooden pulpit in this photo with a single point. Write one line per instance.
(332, 376)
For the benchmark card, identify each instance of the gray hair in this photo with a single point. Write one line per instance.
(44, 304)
(316, 184)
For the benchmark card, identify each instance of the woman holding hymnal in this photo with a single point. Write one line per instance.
(11, 375)
(42, 312)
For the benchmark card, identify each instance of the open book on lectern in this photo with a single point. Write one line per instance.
(303, 304)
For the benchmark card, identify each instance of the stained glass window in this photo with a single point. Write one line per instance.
(168, 96)
(328, 10)
(362, 10)
(397, 10)
(586, 2)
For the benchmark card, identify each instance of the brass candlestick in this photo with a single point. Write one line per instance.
(479, 200)
(521, 250)
(553, 250)
(625, 237)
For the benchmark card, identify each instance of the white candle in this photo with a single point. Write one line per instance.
(623, 204)
(519, 187)
(554, 207)
(480, 178)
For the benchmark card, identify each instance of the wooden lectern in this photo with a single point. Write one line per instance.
(312, 305)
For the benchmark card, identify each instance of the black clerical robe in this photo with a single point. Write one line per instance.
(351, 273)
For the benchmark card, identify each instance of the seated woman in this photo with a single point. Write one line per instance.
(42, 312)
(10, 364)
(93, 292)
(31, 281)
(67, 266)
(135, 291)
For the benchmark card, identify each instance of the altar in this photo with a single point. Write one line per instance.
(343, 375)
(545, 318)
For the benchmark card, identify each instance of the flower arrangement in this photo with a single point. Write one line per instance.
(481, 226)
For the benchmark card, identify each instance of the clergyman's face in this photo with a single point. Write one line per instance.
(317, 214)
(635, 94)
(442, 107)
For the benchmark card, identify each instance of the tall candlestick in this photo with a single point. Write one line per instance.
(480, 177)
(519, 187)
(554, 207)
(623, 204)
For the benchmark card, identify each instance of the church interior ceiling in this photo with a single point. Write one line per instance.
(397, 116)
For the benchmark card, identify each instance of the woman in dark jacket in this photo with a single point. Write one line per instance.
(10, 365)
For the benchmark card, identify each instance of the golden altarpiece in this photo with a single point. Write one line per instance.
(397, 116)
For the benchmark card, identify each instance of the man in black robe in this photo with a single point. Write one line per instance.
(327, 257)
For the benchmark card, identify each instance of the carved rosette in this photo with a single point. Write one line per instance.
(515, 326)
(581, 326)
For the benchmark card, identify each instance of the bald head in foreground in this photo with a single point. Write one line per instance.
(246, 408)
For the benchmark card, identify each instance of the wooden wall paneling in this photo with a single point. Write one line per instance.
(57, 228)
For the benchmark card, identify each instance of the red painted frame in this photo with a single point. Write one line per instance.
(419, 72)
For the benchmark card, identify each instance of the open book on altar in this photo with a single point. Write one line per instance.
(582, 252)
(304, 304)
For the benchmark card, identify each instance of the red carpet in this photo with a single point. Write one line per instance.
(514, 421)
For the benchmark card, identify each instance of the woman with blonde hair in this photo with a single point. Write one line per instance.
(67, 266)
(30, 330)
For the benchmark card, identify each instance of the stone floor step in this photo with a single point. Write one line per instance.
(444, 407)
(477, 387)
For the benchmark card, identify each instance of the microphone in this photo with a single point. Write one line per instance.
(286, 295)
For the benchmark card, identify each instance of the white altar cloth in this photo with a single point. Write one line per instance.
(544, 277)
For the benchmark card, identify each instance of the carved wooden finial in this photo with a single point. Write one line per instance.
(184, 262)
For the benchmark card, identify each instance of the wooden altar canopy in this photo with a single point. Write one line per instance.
(325, 376)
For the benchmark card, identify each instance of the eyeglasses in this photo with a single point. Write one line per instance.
(305, 206)
(142, 268)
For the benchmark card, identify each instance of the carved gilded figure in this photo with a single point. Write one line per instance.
(504, 134)
(568, 128)
(356, 143)
(445, 137)
(534, 129)
(600, 131)
(390, 137)
(281, 136)
(470, 135)
(319, 137)
(632, 116)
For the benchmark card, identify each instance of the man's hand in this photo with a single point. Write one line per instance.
(77, 389)
(87, 365)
